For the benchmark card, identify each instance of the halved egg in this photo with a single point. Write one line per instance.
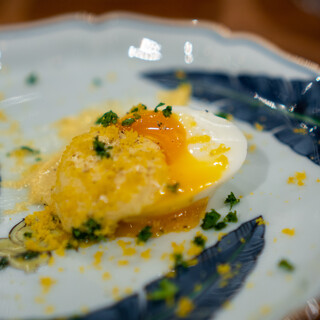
(146, 165)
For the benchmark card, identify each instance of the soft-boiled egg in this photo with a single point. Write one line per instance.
(145, 165)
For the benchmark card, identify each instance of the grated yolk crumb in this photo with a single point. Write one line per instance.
(106, 276)
(60, 269)
(221, 235)
(178, 248)
(265, 310)
(194, 250)
(259, 126)
(49, 309)
(146, 254)
(128, 290)
(289, 232)
(252, 148)
(223, 268)
(47, 283)
(260, 221)
(123, 262)
(97, 259)
(81, 269)
(185, 306)
(136, 269)
(298, 179)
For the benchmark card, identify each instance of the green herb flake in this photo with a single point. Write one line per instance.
(136, 116)
(128, 122)
(158, 106)
(29, 255)
(231, 217)
(231, 200)
(285, 265)
(27, 234)
(199, 241)
(30, 150)
(173, 187)
(97, 82)
(38, 159)
(100, 148)
(31, 79)
(167, 111)
(166, 291)
(145, 234)
(179, 261)
(210, 220)
(4, 262)
(88, 232)
(107, 119)
(222, 115)
(220, 225)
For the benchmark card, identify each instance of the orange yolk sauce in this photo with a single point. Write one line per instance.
(192, 174)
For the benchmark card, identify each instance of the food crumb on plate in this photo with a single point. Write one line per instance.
(49, 309)
(184, 307)
(298, 179)
(106, 275)
(289, 232)
(46, 284)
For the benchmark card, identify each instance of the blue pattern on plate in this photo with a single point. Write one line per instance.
(239, 249)
(291, 108)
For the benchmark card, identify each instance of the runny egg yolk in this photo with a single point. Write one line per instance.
(192, 174)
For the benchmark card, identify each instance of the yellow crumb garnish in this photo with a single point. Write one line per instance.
(223, 268)
(227, 305)
(106, 276)
(49, 309)
(197, 287)
(265, 309)
(81, 269)
(179, 96)
(123, 262)
(318, 180)
(51, 261)
(60, 269)
(252, 148)
(199, 139)
(220, 150)
(146, 254)
(178, 248)
(192, 262)
(60, 251)
(97, 259)
(221, 235)
(136, 270)
(164, 256)
(260, 221)
(298, 178)
(275, 240)
(250, 285)
(128, 290)
(259, 126)
(194, 250)
(243, 240)
(46, 284)
(289, 232)
(249, 136)
(3, 116)
(125, 250)
(184, 307)
(300, 130)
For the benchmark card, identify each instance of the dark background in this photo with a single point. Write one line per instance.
(293, 25)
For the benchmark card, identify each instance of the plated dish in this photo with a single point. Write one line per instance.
(51, 75)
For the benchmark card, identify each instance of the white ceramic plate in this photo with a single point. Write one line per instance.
(133, 58)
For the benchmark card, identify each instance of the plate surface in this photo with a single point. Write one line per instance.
(126, 60)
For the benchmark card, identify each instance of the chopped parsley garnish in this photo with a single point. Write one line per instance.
(27, 234)
(134, 109)
(220, 225)
(97, 82)
(158, 106)
(128, 122)
(70, 246)
(222, 115)
(231, 217)
(107, 119)
(179, 261)
(166, 291)
(286, 265)
(136, 116)
(88, 231)
(29, 255)
(144, 234)
(100, 148)
(31, 79)
(199, 241)
(167, 111)
(210, 220)
(173, 187)
(4, 262)
(231, 200)
(30, 150)
(37, 159)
